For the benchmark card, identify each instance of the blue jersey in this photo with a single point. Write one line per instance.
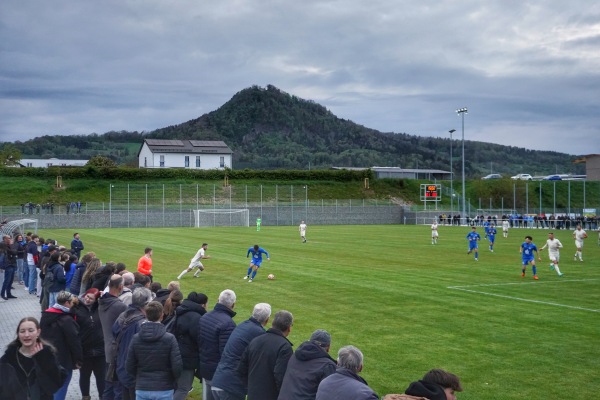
(491, 232)
(257, 255)
(473, 237)
(528, 249)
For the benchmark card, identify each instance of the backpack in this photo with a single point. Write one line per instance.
(171, 325)
(48, 278)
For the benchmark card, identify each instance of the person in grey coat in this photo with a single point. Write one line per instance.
(345, 383)
(310, 364)
(154, 357)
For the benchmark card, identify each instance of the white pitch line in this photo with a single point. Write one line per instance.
(522, 299)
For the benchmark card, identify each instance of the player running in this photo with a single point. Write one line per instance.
(526, 250)
(196, 262)
(554, 246)
(302, 229)
(505, 225)
(434, 232)
(257, 253)
(579, 234)
(473, 237)
(491, 235)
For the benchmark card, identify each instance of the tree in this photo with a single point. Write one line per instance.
(9, 155)
(101, 161)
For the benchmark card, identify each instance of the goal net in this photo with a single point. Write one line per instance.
(222, 217)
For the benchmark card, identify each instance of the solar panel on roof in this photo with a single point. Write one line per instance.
(208, 143)
(164, 142)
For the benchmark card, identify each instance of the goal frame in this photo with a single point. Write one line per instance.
(221, 217)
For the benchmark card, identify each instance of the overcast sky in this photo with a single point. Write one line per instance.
(528, 71)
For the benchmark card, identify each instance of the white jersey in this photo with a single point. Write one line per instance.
(554, 246)
(579, 235)
(199, 255)
(505, 225)
(434, 230)
(302, 229)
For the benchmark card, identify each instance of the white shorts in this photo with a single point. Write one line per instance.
(196, 264)
(302, 233)
(553, 257)
(435, 234)
(579, 244)
(504, 229)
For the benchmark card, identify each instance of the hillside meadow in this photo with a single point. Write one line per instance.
(407, 304)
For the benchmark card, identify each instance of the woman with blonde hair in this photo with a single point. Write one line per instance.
(90, 272)
(173, 301)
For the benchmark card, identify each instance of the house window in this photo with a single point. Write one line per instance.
(30, 164)
(222, 162)
(49, 164)
(162, 161)
(197, 161)
(145, 162)
(187, 161)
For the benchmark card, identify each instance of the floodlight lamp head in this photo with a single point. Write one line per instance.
(462, 110)
(452, 130)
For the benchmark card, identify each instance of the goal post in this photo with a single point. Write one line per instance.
(222, 217)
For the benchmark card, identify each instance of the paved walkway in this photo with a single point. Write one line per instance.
(27, 305)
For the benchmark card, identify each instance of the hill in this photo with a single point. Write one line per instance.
(268, 128)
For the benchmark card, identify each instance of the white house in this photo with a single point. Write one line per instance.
(192, 154)
(50, 162)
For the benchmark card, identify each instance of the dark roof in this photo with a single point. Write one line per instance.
(188, 146)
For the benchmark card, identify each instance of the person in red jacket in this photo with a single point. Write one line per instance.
(145, 263)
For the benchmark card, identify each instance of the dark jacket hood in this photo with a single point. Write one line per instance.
(106, 301)
(152, 331)
(426, 389)
(310, 351)
(189, 306)
(53, 314)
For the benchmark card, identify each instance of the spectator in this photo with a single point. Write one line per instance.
(128, 280)
(171, 304)
(76, 245)
(102, 276)
(60, 329)
(186, 328)
(70, 267)
(215, 329)
(109, 309)
(55, 280)
(33, 362)
(153, 358)
(309, 365)
(79, 271)
(163, 294)
(89, 275)
(92, 342)
(227, 383)
(345, 383)
(32, 260)
(124, 328)
(265, 360)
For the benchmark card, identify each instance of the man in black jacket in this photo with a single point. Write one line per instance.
(310, 364)
(76, 245)
(188, 315)
(10, 265)
(265, 360)
(154, 357)
(215, 329)
(60, 329)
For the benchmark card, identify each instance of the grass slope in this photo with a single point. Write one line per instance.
(388, 291)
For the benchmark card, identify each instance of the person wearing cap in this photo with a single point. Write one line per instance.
(310, 364)
(227, 383)
(186, 326)
(265, 360)
(60, 329)
(345, 383)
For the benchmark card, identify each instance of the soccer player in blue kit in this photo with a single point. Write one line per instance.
(527, 249)
(473, 237)
(491, 235)
(257, 253)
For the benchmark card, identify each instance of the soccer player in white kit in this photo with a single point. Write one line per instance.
(505, 225)
(434, 232)
(302, 229)
(554, 246)
(196, 262)
(579, 234)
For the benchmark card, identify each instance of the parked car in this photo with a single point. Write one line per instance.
(553, 178)
(521, 177)
(492, 176)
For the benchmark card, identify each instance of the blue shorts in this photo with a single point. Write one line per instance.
(528, 260)
(473, 245)
(256, 262)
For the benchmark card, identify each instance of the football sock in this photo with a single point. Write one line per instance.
(254, 274)
(534, 270)
(182, 274)
(197, 273)
(249, 271)
(557, 269)
(523, 270)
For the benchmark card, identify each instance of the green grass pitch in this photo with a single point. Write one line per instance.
(408, 305)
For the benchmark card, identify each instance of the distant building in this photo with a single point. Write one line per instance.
(400, 173)
(50, 162)
(191, 154)
(592, 166)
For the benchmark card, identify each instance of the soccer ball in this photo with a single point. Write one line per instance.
(271, 277)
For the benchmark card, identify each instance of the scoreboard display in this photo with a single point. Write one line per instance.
(431, 192)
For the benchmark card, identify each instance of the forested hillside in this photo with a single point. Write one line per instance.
(268, 128)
